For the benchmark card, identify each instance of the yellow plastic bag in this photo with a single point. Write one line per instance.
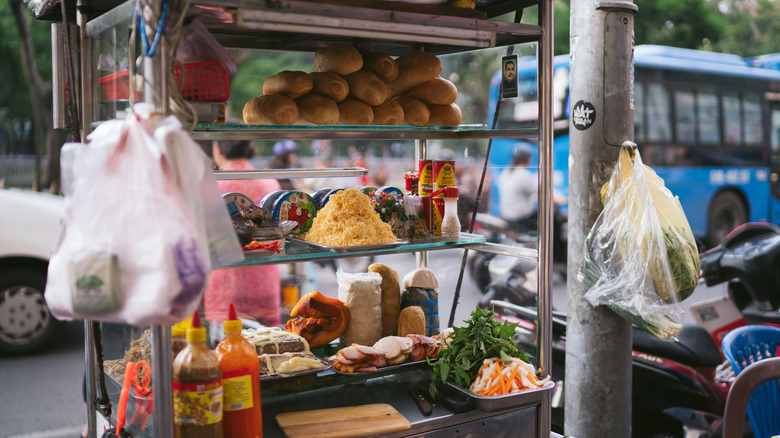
(640, 255)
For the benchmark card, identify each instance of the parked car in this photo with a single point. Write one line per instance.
(30, 224)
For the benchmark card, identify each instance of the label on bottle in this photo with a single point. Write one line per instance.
(197, 404)
(237, 385)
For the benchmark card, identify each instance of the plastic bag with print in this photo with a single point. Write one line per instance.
(130, 251)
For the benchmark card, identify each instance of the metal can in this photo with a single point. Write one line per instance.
(437, 215)
(426, 178)
(443, 175)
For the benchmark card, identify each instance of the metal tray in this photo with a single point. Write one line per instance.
(520, 399)
(359, 248)
(281, 376)
(400, 366)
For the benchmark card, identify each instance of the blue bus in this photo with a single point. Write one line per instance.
(708, 123)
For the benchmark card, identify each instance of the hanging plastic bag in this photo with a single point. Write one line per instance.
(640, 256)
(130, 250)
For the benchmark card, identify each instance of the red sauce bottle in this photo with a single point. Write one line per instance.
(242, 415)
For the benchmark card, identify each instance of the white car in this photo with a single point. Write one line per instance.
(30, 224)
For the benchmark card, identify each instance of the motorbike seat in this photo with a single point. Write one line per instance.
(695, 347)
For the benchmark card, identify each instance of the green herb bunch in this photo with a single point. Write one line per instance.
(467, 347)
(386, 204)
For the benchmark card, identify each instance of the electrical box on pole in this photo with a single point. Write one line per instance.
(597, 389)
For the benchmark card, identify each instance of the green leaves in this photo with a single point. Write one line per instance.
(482, 338)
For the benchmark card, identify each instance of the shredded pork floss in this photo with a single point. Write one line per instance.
(349, 219)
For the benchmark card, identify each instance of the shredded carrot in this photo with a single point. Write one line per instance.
(495, 378)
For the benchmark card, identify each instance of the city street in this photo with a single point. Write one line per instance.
(42, 392)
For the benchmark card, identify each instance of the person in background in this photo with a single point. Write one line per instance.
(253, 290)
(518, 191)
(286, 157)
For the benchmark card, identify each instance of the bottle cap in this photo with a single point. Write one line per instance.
(180, 328)
(451, 192)
(196, 332)
(232, 324)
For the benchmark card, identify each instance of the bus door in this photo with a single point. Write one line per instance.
(774, 164)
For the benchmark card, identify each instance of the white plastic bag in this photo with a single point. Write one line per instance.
(362, 294)
(131, 252)
(640, 258)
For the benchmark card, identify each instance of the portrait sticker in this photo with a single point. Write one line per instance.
(509, 76)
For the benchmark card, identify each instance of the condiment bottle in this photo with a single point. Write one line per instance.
(450, 224)
(197, 387)
(179, 336)
(242, 416)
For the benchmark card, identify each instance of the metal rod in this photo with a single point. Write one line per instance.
(89, 359)
(290, 173)
(421, 154)
(162, 376)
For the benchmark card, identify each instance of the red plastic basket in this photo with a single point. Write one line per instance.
(205, 81)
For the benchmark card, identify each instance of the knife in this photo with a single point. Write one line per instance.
(422, 402)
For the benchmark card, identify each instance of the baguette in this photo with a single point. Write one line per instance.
(444, 115)
(271, 109)
(355, 112)
(290, 83)
(391, 297)
(416, 113)
(414, 68)
(437, 91)
(330, 84)
(340, 58)
(388, 113)
(317, 109)
(366, 86)
(381, 65)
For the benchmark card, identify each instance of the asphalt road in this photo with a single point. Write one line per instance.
(41, 393)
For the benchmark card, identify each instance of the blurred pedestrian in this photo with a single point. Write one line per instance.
(286, 157)
(253, 290)
(518, 191)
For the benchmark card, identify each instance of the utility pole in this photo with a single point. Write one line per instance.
(597, 389)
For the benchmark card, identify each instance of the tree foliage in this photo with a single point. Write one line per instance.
(751, 27)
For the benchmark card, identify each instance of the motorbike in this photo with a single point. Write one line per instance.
(678, 388)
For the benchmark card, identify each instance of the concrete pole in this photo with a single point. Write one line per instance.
(598, 342)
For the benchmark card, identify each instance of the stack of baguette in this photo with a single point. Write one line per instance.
(353, 89)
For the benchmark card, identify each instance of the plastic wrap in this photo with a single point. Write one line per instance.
(362, 294)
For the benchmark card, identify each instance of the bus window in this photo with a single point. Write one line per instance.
(732, 119)
(658, 118)
(639, 125)
(708, 116)
(685, 117)
(753, 121)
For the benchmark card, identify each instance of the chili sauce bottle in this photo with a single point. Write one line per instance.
(242, 416)
(197, 387)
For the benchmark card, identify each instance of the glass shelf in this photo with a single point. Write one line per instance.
(302, 252)
(205, 131)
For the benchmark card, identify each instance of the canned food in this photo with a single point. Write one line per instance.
(234, 200)
(443, 175)
(427, 213)
(426, 177)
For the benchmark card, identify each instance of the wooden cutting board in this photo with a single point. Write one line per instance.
(352, 421)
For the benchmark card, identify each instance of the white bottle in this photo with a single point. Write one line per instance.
(450, 224)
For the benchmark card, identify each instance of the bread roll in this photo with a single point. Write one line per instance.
(388, 113)
(444, 115)
(391, 297)
(414, 68)
(292, 84)
(271, 109)
(355, 112)
(411, 320)
(381, 65)
(330, 84)
(340, 58)
(437, 91)
(415, 112)
(366, 86)
(317, 109)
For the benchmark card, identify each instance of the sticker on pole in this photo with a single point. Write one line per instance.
(583, 114)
